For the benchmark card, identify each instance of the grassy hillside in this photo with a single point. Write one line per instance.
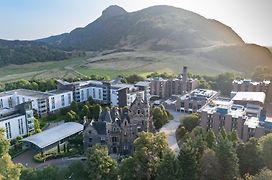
(203, 61)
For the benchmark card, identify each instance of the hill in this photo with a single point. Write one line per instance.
(155, 39)
(22, 52)
(155, 28)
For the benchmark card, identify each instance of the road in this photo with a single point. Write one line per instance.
(170, 128)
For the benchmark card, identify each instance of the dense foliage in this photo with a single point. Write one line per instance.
(22, 52)
(159, 116)
(8, 170)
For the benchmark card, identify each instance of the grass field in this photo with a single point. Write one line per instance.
(199, 61)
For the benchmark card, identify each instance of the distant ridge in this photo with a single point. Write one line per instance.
(151, 39)
(154, 28)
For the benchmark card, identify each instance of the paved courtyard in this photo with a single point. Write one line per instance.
(170, 128)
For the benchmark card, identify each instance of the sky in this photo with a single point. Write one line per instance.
(34, 19)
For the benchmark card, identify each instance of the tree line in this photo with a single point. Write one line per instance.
(26, 52)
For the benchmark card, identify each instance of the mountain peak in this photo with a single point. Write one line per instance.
(113, 10)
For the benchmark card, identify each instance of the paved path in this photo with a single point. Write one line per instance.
(170, 128)
(26, 159)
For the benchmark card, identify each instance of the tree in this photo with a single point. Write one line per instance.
(48, 173)
(96, 111)
(74, 106)
(210, 139)
(76, 171)
(37, 128)
(209, 166)
(187, 161)
(160, 117)
(90, 100)
(233, 137)
(223, 83)
(249, 156)
(129, 169)
(227, 158)
(265, 174)
(198, 139)
(180, 132)
(100, 165)
(149, 151)
(85, 112)
(71, 116)
(8, 170)
(190, 121)
(168, 168)
(134, 78)
(266, 153)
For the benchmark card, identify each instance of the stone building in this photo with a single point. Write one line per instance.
(118, 128)
(165, 88)
(247, 119)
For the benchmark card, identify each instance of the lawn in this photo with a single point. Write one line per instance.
(109, 72)
(28, 71)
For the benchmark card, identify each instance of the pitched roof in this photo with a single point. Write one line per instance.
(100, 127)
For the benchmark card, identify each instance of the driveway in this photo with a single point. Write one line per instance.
(170, 128)
(26, 159)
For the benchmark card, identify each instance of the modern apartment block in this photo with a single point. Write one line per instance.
(115, 94)
(195, 100)
(165, 88)
(42, 102)
(248, 85)
(245, 116)
(17, 121)
(82, 90)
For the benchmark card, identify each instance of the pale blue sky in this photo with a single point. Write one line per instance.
(32, 19)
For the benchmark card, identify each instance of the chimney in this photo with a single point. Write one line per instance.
(184, 79)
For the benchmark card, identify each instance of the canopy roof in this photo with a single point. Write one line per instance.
(55, 134)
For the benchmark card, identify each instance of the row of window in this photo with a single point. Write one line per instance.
(82, 94)
(62, 101)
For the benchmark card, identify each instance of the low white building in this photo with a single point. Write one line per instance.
(59, 99)
(17, 121)
(42, 102)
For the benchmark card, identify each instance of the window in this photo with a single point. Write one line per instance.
(53, 102)
(69, 98)
(23, 99)
(90, 139)
(8, 131)
(182, 104)
(18, 100)
(10, 102)
(88, 92)
(1, 103)
(94, 93)
(62, 100)
(139, 111)
(114, 139)
(99, 94)
(21, 126)
(82, 95)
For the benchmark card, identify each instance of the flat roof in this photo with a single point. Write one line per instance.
(249, 96)
(55, 134)
(57, 91)
(26, 92)
(252, 122)
(142, 83)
